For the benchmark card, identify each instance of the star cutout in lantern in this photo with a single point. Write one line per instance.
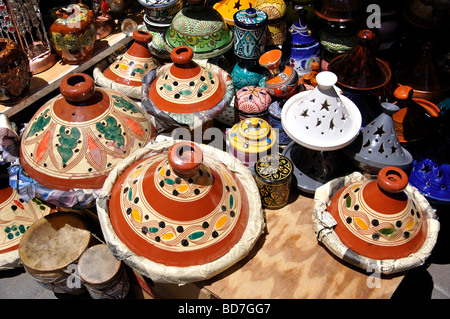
(237, 4)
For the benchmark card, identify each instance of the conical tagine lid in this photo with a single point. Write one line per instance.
(77, 138)
(321, 119)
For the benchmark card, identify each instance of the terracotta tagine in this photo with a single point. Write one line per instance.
(73, 33)
(251, 101)
(76, 138)
(276, 13)
(282, 81)
(179, 208)
(132, 66)
(378, 145)
(377, 219)
(321, 119)
(202, 29)
(15, 75)
(227, 8)
(187, 91)
(251, 139)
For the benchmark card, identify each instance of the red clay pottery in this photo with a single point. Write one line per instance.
(377, 219)
(15, 75)
(282, 81)
(132, 66)
(76, 138)
(73, 33)
(180, 208)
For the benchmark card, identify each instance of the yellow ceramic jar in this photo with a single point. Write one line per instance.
(276, 12)
(227, 8)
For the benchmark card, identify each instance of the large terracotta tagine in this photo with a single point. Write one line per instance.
(321, 119)
(378, 146)
(383, 225)
(77, 138)
(228, 8)
(175, 212)
(73, 33)
(131, 67)
(186, 92)
(15, 75)
(282, 81)
(16, 216)
(202, 29)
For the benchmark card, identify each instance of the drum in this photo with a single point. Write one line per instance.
(103, 275)
(51, 248)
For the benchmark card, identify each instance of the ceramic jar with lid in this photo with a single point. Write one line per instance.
(377, 218)
(251, 101)
(251, 139)
(73, 33)
(201, 28)
(176, 206)
(75, 139)
(185, 91)
(250, 29)
(282, 81)
(15, 74)
(131, 67)
(276, 13)
(273, 174)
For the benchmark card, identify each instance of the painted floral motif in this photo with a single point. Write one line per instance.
(172, 234)
(376, 228)
(252, 99)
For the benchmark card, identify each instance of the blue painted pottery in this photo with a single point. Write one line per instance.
(250, 29)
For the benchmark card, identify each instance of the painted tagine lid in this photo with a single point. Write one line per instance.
(360, 69)
(275, 9)
(252, 136)
(378, 146)
(377, 219)
(321, 119)
(180, 208)
(252, 100)
(76, 138)
(201, 28)
(228, 8)
(186, 87)
(132, 66)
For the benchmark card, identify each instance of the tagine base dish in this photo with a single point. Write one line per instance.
(174, 274)
(324, 229)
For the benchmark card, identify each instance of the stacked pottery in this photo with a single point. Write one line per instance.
(250, 32)
(251, 101)
(15, 75)
(362, 76)
(319, 121)
(126, 73)
(177, 214)
(381, 224)
(378, 146)
(251, 139)
(282, 81)
(201, 28)
(73, 33)
(228, 8)
(276, 28)
(304, 48)
(74, 140)
(186, 93)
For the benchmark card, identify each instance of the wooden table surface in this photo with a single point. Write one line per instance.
(288, 262)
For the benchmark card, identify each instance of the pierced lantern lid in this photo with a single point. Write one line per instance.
(186, 87)
(252, 135)
(321, 119)
(76, 138)
(228, 8)
(378, 146)
(377, 219)
(180, 208)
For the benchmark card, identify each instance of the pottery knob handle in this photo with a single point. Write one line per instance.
(77, 87)
(185, 158)
(250, 12)
(142, 36)
(182, 55)
(392, 179)
(366, 34)
(403, 92)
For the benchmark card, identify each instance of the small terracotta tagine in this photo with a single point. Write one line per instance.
(73, 33)
(15, 75)
(188, 92)
(282, 81)
(377, 219)
(132, 66)
(77, 138)
(178, 208)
